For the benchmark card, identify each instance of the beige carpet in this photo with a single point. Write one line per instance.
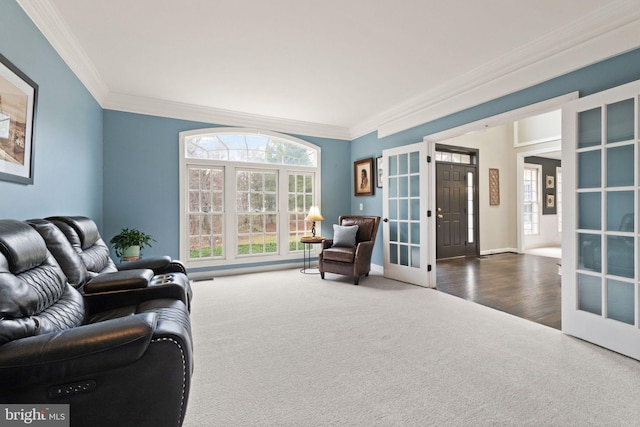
(287, 349)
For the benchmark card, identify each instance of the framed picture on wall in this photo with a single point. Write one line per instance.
(18, 99)
(379, 170)
(494, 187)
(550, 181)
(550, 201)
(362, 177)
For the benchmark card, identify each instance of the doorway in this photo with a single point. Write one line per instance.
(506, 141)
(457, 230)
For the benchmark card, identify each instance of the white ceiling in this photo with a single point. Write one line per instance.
(339, 68)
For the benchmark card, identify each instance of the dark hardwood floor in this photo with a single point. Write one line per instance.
(527, 286)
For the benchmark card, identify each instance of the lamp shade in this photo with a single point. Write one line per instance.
(314, 214)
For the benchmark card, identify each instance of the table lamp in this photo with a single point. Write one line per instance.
(314, 215)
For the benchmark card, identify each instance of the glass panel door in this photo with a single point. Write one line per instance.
(601, 184)
(407, 249)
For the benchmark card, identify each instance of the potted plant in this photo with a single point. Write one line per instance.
(129, 242)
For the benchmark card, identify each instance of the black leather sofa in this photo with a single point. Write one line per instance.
(85, 259)
(128, 363)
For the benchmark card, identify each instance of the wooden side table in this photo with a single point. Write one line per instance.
(308, 241)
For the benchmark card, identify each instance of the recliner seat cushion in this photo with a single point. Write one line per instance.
(66, 313)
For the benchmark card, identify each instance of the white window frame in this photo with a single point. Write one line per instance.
(559, 197)
(538, 201)
(230, 256)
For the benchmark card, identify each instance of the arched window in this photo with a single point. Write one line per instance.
(244, 195)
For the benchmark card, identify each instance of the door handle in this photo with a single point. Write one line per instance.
(440, 216)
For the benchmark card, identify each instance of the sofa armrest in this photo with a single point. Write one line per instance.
(119, 280)
(75, 352)
(159, 264)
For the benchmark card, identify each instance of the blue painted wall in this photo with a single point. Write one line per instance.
(595, 78)
(122, 169)
(141, 176)
(68, 132)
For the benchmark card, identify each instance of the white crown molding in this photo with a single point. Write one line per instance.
(607, 32)
(177, 110)
(511, 116)
(48, 20)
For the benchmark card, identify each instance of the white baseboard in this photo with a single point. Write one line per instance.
(499, 251)
(210, 274)
(377, 268)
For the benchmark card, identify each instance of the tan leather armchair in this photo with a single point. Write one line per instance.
(351, 261)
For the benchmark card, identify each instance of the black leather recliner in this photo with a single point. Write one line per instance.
(127, 365)
(84, 236)
(85, 259)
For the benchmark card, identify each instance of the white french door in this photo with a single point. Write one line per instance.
(408, 229)
(601, 186)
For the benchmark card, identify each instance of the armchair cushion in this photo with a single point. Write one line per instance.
(344, 235)
(339, 254)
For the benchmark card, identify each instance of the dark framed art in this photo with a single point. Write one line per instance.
(362, 177)
(550, 181)
(550, 201)
(379, 172)
(18, 100)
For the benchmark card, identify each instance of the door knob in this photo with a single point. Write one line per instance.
(440, 216)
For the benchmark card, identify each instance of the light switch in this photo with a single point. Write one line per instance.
(361, 206)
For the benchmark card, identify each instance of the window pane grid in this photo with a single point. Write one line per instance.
(606, 215)
(257, 218)
(250, 148)
(446, 156)
(300, 196)
(559, 197)
(531, 208)
(205, 212)
(404, 211)
(470, 213)
(256, 212)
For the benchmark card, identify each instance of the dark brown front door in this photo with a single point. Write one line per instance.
(452, 233)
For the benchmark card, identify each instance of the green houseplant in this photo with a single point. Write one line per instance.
(129, 242)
